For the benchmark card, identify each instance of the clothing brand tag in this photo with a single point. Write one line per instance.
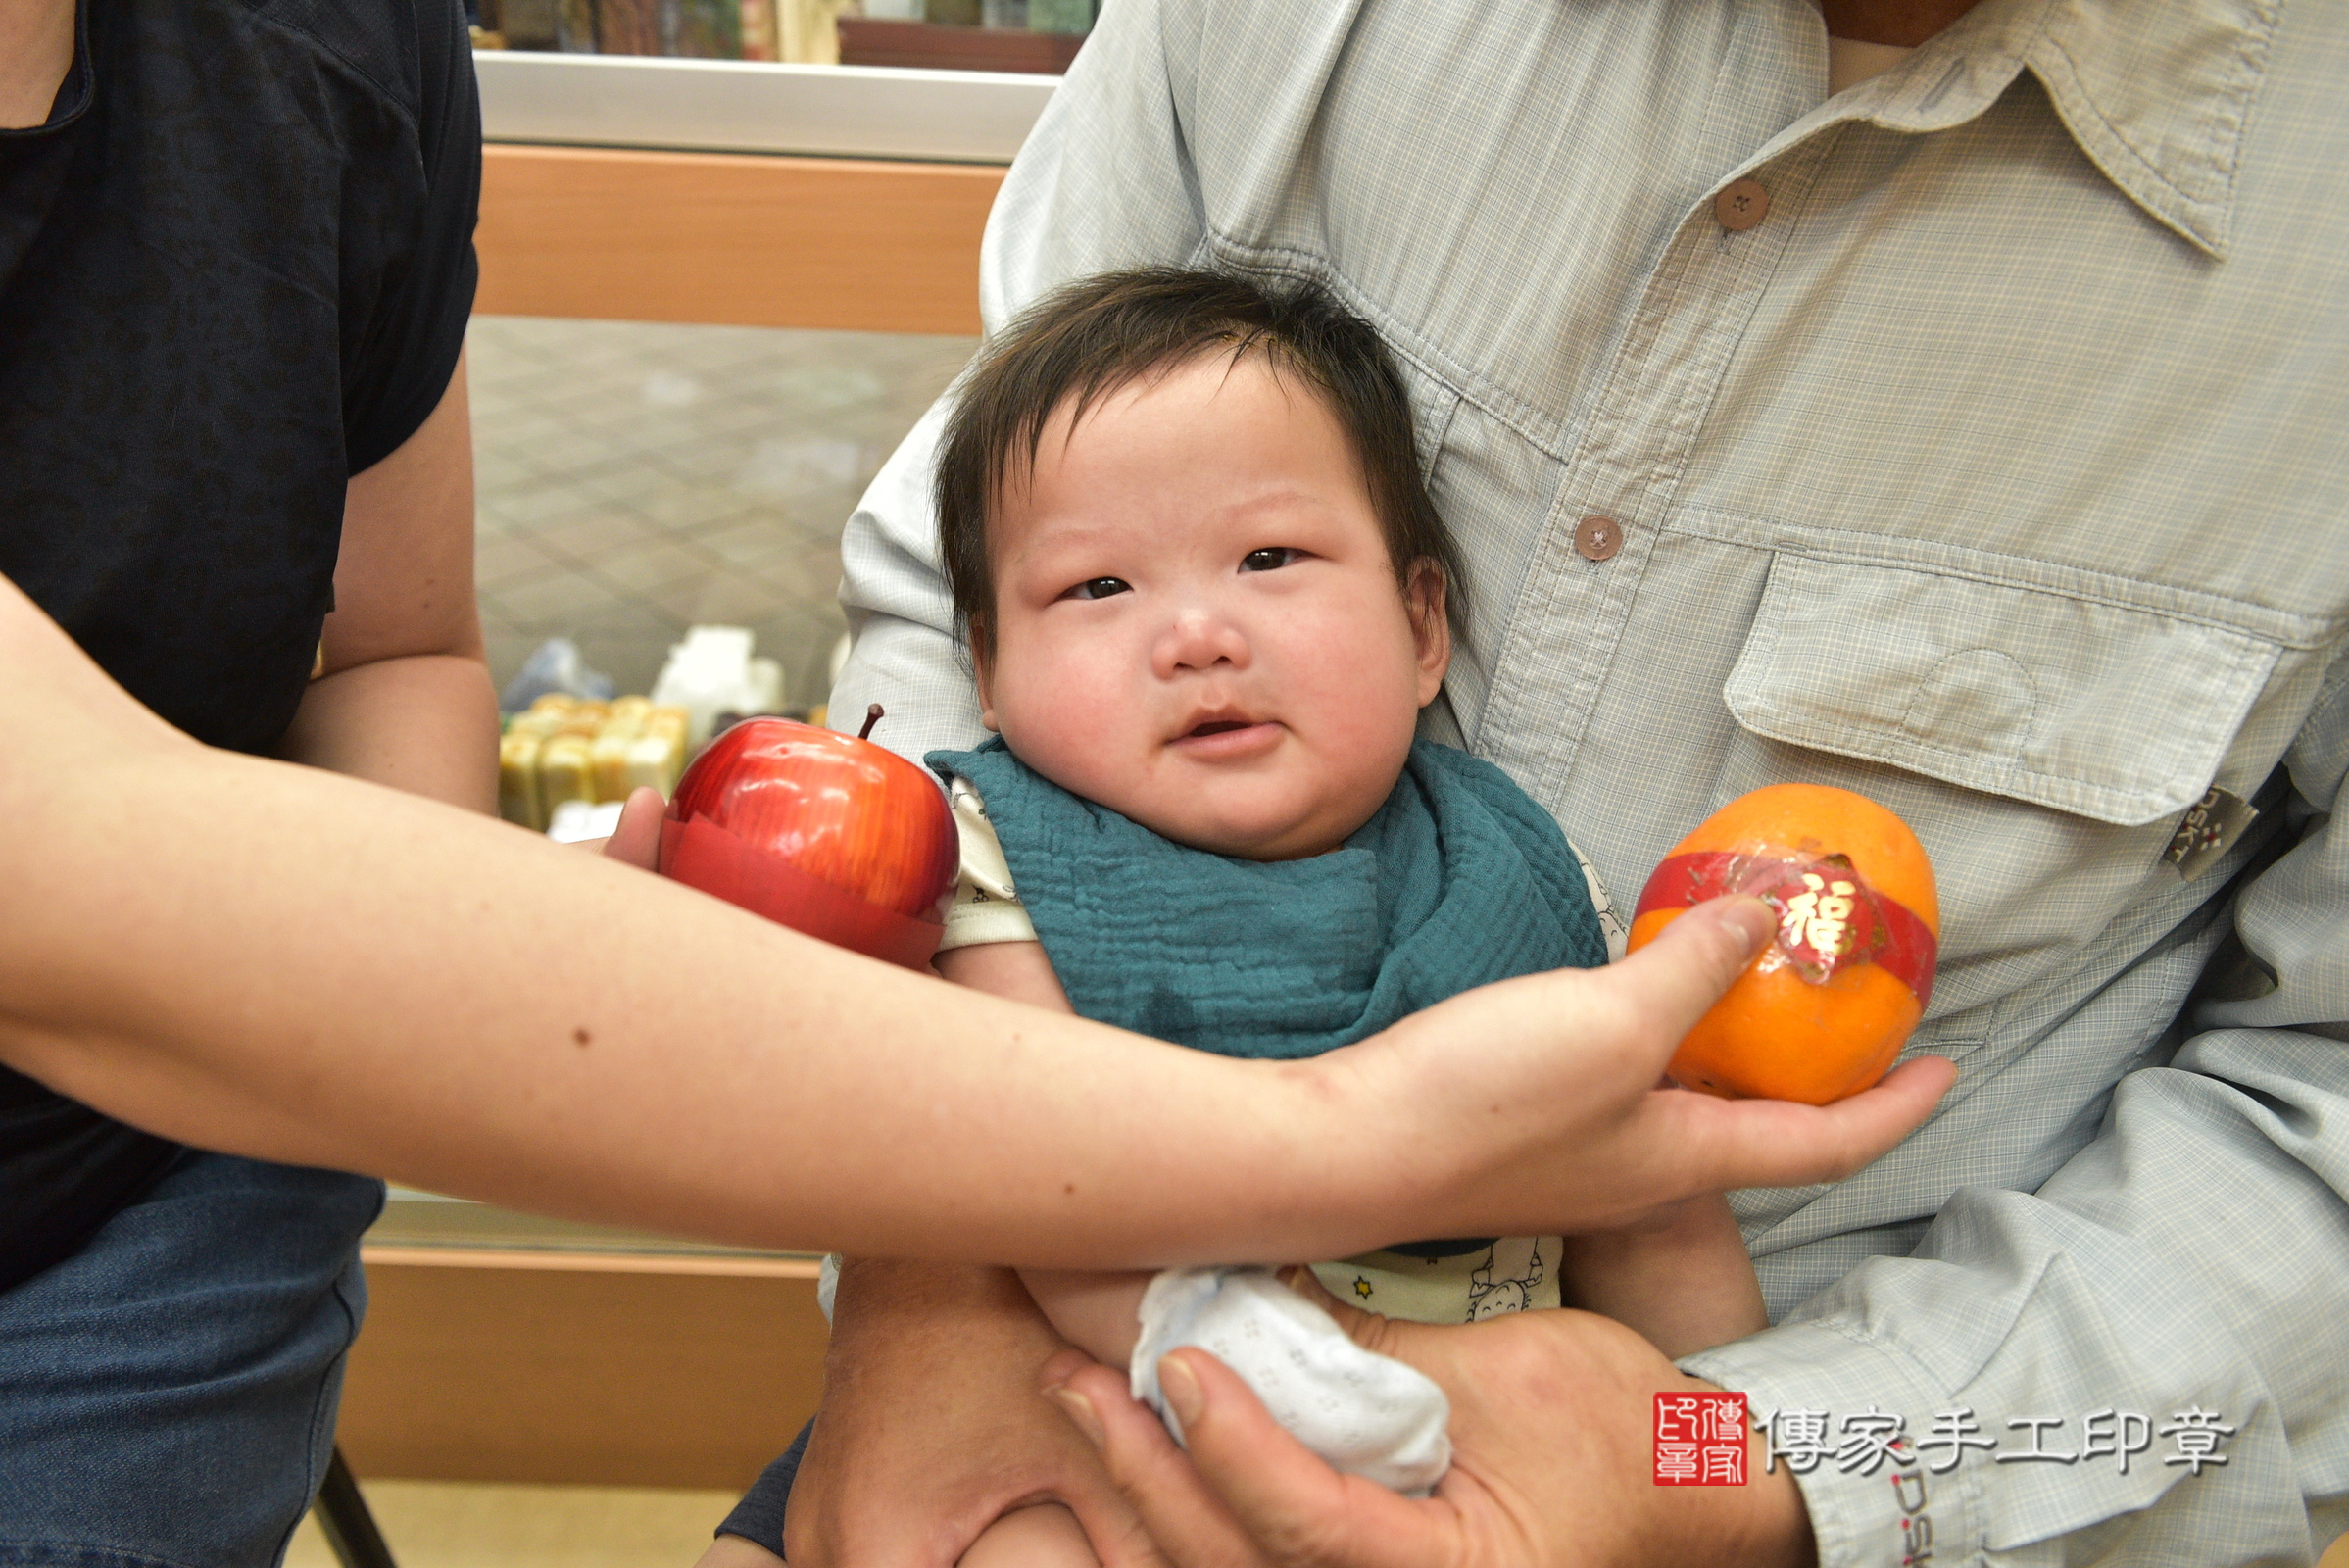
(2215, 820)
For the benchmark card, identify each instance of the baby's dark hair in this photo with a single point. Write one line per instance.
(1094, 336)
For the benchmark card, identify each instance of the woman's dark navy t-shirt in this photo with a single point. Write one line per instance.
(235, 268)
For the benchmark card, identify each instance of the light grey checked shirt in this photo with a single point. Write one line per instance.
(1998, 473)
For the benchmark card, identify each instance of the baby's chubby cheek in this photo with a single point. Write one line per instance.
(1074, 724)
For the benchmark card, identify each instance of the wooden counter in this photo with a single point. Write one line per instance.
(613, 1369)
(744, 239)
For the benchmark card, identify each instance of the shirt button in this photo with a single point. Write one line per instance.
(1741, 204)
(1598, 538)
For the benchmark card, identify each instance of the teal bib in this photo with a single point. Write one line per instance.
(1459, 880)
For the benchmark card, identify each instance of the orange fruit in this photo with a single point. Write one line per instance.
(1823, 1008)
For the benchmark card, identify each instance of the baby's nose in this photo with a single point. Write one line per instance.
(1199, 638)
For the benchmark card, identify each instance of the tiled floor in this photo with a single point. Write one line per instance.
(634, 478)
(470, 1524)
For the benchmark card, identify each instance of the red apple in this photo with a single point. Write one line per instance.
(826, 833)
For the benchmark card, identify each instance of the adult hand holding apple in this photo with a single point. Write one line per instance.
(636, 838)
(824, 832)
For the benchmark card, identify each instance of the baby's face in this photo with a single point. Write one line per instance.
(1196, 620)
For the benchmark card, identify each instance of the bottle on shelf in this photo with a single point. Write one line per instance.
(562, 749)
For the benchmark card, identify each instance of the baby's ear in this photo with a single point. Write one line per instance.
(975, 631)
(1431, 628)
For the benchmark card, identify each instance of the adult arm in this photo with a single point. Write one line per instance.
(404, 695)
(279, 961)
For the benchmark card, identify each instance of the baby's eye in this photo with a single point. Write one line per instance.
(1272, 560)
(1099, 588)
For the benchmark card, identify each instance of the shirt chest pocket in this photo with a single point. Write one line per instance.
(2044, 745)
(2102, 711)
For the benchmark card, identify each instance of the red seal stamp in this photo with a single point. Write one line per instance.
(1700, 1440)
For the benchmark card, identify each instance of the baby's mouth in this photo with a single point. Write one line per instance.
(1228, 736)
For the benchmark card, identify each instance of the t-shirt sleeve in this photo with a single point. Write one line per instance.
(1611, 922)
(407, 348)
(986, 906)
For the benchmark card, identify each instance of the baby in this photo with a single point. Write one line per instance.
(1207, 595)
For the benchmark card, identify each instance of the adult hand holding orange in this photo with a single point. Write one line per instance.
(1824, 1008)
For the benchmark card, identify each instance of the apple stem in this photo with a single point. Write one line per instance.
(872, 716)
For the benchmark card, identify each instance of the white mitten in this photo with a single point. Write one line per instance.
(1365, 1414)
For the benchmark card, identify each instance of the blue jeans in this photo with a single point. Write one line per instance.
(167, 1394)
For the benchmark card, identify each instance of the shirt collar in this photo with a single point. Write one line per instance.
(2157, 95)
